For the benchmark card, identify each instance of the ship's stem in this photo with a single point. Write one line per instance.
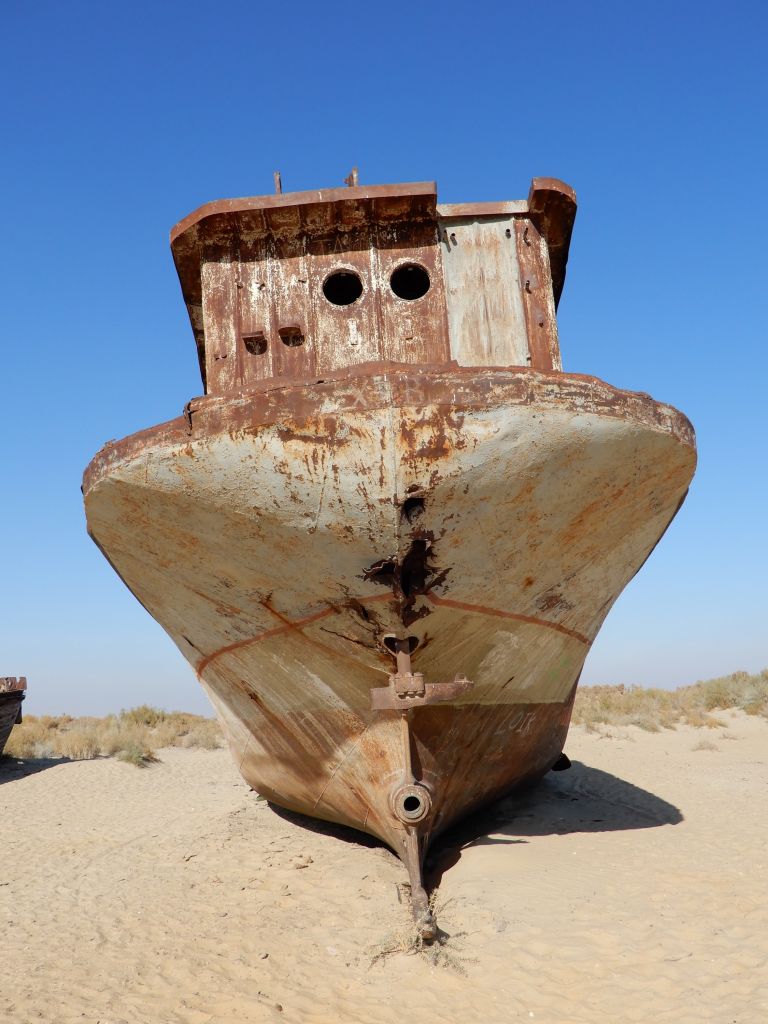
(422, 912)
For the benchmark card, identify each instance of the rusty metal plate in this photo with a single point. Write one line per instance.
(387, 699)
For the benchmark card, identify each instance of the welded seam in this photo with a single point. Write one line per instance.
(517, 616)
(444, 602)
(341, 764)
(245, 751)
(206, 661)
(287, 626)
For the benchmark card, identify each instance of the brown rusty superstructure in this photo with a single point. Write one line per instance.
(388, 533)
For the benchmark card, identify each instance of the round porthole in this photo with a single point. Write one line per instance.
(409, 281)
(342, 288)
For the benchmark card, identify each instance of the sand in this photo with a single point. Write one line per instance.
(631, 888)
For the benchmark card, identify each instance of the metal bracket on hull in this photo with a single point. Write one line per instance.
(407, 689)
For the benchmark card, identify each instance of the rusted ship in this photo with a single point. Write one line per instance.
(387, 534)
(12, 692)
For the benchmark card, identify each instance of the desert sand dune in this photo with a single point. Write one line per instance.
(630, 888)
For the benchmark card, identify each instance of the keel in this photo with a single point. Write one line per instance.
(423, 917)
(411, 800)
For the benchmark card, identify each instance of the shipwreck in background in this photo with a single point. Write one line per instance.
(12, 693)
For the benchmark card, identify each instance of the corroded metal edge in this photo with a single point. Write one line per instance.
(12, 693)
(12, 684)
(358, 387)
(552, 208)
(355, 194)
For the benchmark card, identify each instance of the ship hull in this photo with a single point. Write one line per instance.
(10, 713)
(492, 515)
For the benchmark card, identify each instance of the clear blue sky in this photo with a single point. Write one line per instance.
(120, 119)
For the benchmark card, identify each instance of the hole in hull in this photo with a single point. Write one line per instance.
(392, 642)
(291, 336)
(383, 571)
(256, 344)
(412, 509)
(408, 578)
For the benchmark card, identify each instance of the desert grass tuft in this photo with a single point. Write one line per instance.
(133, 736)
(445, 951)
(138, 755)
(653, 709)
(78, 744)
(705, 745)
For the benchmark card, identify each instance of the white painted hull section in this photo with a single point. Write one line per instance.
(249, 543)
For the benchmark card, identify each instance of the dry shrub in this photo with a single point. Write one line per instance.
(20, 744)
(705, 745)
(137, 755)
(206, 735)
(445, 951)
(78, 744)
(143, 715)
(174, 728)
(131, 736)
(699, 719)
(646, 722)
(654, 709)
(168, 734)
(117, 736)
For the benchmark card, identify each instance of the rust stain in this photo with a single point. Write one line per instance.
(409, 576)
(532, 620)
(288, 625)
(380, 385)
(247, 641)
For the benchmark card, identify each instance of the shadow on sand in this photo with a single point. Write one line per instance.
(328, 828)
(13, 768)
(582, 799)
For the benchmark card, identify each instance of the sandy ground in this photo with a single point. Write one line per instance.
(631, 888)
